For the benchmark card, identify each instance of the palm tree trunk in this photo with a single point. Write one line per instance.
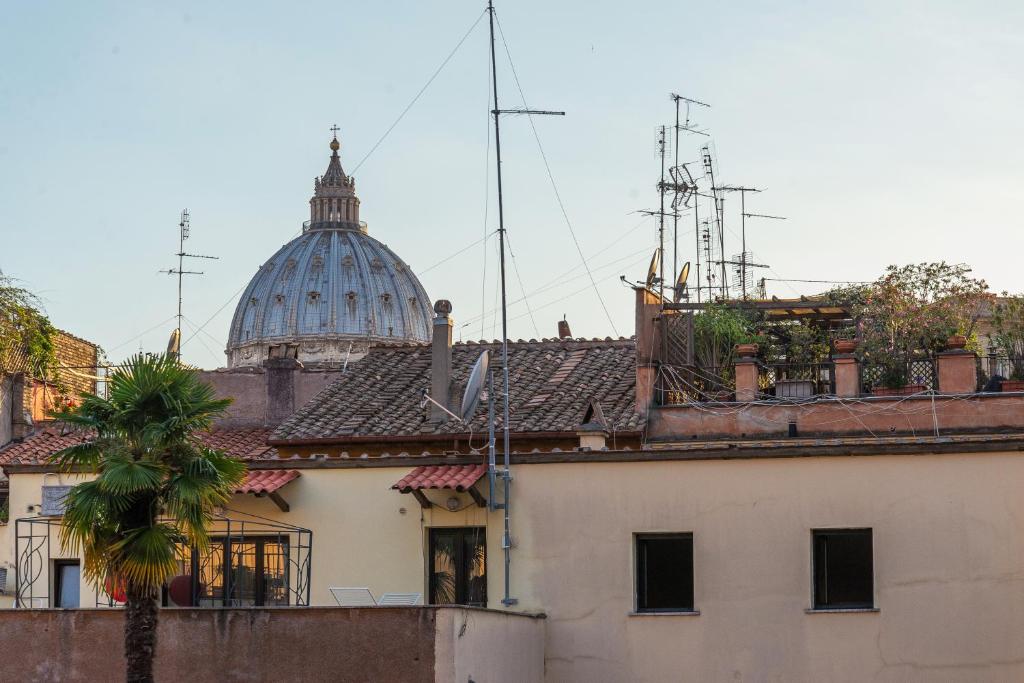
(140, 618)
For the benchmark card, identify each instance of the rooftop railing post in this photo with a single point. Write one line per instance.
(846, 369)
(747, 372)
(957, 368)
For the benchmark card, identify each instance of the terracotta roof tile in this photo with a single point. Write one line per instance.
(552, 384)
(36, 448)
(266, 481)
(458, 477)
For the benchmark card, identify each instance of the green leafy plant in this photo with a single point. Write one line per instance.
(26, 335)
(155, 489)
(1008, 321)
(912, 311)
(716, 332)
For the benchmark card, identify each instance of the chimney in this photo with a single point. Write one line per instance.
(281, 367)
(563, 329)
(593, 433)
(648, 348)
(441, 360)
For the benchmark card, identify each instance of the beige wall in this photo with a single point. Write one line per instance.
(948, 554)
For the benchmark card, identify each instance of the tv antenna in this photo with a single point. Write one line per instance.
(682, 180)
(183, 234)
(506, 476)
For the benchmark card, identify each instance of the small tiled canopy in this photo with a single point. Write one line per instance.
(266, 483)
(460, 478)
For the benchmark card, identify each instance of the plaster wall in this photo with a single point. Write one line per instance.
(948, 568)
(248, 390)
(487, 645)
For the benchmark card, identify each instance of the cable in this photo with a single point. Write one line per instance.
(422, 90)
(515, 267)
(551, 177)
(210, 319)
(160, 324)
(460, 251)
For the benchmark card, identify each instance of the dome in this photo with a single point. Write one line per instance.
(331, 291)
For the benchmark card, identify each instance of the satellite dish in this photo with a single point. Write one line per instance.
(681, 281)
(475, 386)
(174, 344)
(652, 270)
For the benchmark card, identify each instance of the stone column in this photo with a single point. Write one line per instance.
(847, 371)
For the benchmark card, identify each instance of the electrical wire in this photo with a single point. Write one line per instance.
(421, 91)
(551, 177)
(460, 251)
(522, 288)
(141, 334)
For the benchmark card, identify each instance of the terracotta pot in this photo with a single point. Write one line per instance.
(746, 350)
(1011, 385)
(957, 341)
(902, 391)
(845, 345)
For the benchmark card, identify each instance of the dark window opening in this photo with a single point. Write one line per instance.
(843, 569)
(664, 573)
(458, 566)
(66, 583)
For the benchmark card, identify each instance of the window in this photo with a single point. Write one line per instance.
(66, 583)
(256, 568)
(664, 573)
(843, 573)
(458, 566)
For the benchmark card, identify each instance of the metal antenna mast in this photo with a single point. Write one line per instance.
(677, 179)
(506, 541)
(183, 233)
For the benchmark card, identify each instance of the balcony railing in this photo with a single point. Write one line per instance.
(992, 369)
(692, 384)
(796, 380)
(918, 373)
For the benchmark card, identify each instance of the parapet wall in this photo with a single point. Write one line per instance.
(278, 644)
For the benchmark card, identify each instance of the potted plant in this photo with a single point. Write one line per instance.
(1008, 338)
(911, 313)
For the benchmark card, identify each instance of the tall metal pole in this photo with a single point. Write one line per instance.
(696, 233)
(181, 260)
(675, 211)
(661, 217)
(506, 540)
(743, 252)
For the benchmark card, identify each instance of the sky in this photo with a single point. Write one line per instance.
(885, 133)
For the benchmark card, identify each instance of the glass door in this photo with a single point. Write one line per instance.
(458, 566)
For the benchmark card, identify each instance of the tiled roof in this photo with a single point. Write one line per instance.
(458, 477)
(35, 449)
(552, 384)
(266, 481)
(40, 445)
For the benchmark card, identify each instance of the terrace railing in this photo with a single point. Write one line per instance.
(919, 372)
(694, 384)
(797, 380)
(991, 368)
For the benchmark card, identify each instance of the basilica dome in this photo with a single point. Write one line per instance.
(331, 291)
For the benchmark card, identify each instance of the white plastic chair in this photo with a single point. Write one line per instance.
(399, 599)
(353, 597)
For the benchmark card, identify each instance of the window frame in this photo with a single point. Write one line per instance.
(848, 606)
(58, 582)
(228, 596)
(460, 561)
(639, 573)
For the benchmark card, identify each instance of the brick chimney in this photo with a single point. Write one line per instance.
(563, 329)
(441, 360)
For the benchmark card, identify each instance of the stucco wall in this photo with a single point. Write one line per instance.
(948, 561)
(248, 390)
(485, 645)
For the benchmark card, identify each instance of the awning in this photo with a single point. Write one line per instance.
(460, 478)
(266, 483)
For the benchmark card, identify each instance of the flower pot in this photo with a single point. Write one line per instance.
(901, 391)
(845, 345)
(1011, 385)
(956, 342)
(746, 350)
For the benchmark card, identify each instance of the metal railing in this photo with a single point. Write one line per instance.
(680, 384)
(919, 374)
(796, 380)
(992, 369)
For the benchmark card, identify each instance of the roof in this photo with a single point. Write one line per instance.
(552, 384)
(245, 444)
(458, 477)
(266, 481)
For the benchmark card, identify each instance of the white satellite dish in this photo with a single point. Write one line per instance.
(475, 386)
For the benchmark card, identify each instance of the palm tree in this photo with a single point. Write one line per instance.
(155, 489)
